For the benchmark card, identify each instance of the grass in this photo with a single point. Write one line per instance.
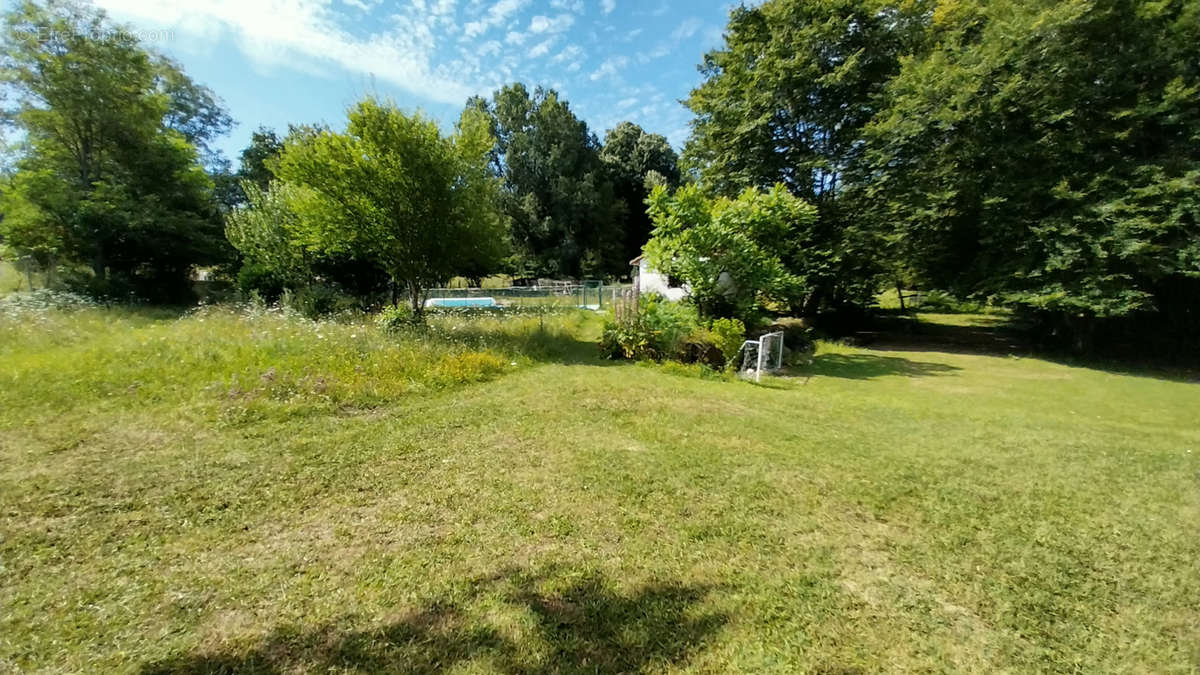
(11, 278)
(225, 491)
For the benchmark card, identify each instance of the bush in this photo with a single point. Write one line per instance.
(672, 331)
(316, 301)
(659, 331)
(728, 336)
(670, 323)
(398, 317)
(729, 251)
(799, 342)
(254, 278)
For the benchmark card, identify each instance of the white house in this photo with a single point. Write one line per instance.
(649, 280)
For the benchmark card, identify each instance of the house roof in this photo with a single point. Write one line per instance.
(636, 260)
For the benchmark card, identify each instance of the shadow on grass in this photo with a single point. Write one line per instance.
(543, 346)
(586, 626)
(870, 366)
(956, 334)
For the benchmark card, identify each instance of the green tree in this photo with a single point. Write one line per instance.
(255, 158)
(636, 161)
(565, 219)
(108, 170)
(264, 148)
(1046, 154)
(263, 230)
(785, 101)
(730, 252)
(193, 110)
(393, 192)
(260, 223)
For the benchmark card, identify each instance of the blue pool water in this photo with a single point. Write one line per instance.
(460, 302)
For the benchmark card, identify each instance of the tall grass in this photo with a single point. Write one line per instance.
(11, 278)
(248, 362)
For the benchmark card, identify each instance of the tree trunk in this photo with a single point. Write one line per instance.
(900, 294)
(418, 302)
(813, 302)
(1083, 330)
(99, 267)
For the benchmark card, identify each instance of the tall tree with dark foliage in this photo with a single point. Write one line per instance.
(109, 173)
(566, 221)
(636, 162)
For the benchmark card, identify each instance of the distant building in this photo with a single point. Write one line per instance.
(649, 280)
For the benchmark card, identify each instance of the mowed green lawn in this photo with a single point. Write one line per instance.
(228, 492)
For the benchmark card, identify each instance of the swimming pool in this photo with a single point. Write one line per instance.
(460, 302)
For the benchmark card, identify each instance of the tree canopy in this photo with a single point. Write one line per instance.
(785, 100)
(565, 219)
(732, 253)
(637, 161)
(110, 173)
(1045, 153)
(394, 192)
(1041, 154)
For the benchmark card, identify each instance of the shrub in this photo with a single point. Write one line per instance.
(728, 336)
(627, 340)
(669, 323)
(729, 251)
(666, 330)
(398, 317)
(799, 343)
(256, 278)
(316, 300)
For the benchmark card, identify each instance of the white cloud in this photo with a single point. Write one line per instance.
(443, 9)
(568, 53)
(610, 67)
(496, 15)
(686, 29)
(473, 28)
(542, 48)
(659, 51)
(544, 24)
(608, 6)
(305, 34)
(415, 47)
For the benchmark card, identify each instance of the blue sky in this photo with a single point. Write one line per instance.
(280, 61)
